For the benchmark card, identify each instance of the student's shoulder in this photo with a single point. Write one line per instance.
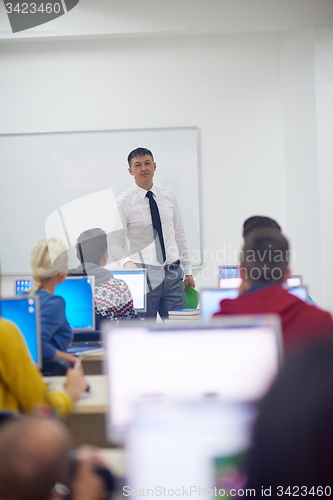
(50, 300)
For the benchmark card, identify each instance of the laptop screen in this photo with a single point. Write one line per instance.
(210, 299)
(24, 312)
(233, 361)
(137, 282)
(189, 447)
(78, 293)
(229, 278)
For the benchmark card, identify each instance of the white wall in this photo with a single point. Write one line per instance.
(252, 95)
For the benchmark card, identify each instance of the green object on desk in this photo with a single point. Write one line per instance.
(191, 297)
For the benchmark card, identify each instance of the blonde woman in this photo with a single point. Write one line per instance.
(49, 264)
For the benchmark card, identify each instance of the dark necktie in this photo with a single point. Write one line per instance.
(156, 220)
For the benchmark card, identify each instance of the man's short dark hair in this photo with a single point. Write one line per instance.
(139, 152)
(265, 255)
(91, 245)
(257, 222)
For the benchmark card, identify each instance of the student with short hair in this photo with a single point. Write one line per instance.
(264, 267)
(113, 298)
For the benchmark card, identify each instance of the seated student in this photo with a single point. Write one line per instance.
(47, 273)
(22, 387)
(35, 455)
(113, 298)
(292, 442)
(263, 269)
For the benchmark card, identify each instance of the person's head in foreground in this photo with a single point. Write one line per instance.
(92, 247)
(293, 436)
(35, 455)
(259, 222)
(49, 263)
(264, 258)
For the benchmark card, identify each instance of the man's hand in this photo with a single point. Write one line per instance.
(129, 265)
(189, 281)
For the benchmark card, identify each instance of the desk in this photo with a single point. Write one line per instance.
(93, 363)
(87, 423)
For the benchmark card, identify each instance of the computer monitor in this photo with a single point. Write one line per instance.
(229, 278)
(24, 312)
(79, 295)
(233, 360)
(23, 285)
(299, 291)
(189, 448)
(136, 280)
(210, 300)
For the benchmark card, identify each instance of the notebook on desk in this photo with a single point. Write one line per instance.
(24, 312)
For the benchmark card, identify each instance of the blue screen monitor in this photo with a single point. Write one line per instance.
(24, 312)
(78, 293)
(210, 300)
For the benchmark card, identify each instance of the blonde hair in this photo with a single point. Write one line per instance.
(47, 259)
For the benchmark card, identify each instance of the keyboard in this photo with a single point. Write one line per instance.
(88, 343)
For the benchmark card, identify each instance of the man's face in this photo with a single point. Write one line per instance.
(142, 168)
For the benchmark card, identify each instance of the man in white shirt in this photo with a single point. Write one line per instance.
(157, 241)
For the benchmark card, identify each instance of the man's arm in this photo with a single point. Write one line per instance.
(117, 242)
(181, 240)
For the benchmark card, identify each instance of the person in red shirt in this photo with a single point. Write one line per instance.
(263, 269)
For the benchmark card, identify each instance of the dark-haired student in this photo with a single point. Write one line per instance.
(113, 298)
(292, 442)
(263, 269)
(259, 222)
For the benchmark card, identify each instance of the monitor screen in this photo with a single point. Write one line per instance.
(229, 277)
(210, 300)
(189, 448)
(294, 281)
(23, 286)
(234, 362)
(24, 312)
(299, 291)
(78, 293)
(137, 282)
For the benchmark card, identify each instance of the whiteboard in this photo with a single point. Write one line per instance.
(41, 173)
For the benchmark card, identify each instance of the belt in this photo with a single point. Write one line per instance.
(168, 267)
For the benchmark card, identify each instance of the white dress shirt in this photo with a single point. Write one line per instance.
(133, 206)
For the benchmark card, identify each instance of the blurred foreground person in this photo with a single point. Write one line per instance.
(35, 456)
(292, 451)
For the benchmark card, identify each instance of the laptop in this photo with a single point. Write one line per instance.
(210, 299)
(228, 277)
(24, 312)
(234, 359)
(188, 447)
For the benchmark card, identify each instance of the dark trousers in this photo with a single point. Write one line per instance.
(165, 291)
